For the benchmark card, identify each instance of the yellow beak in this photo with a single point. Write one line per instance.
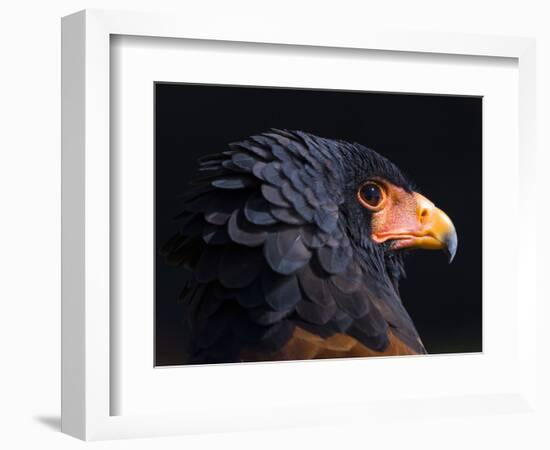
(431, 229)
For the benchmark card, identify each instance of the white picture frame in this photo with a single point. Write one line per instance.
(88, 386)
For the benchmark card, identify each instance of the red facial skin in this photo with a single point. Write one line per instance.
(408, 220)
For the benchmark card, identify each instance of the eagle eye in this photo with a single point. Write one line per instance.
(370, 195)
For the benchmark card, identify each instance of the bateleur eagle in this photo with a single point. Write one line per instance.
(296, 243)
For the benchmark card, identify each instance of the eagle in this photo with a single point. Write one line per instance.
(295, 244)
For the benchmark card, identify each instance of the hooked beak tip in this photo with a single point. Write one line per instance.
(451, 244)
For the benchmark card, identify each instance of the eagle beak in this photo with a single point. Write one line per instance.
(429, 229)
(435, 229)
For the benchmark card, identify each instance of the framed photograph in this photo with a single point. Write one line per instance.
(288, 245)
(251, 207)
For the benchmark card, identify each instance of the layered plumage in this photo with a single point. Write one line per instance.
(282, 258)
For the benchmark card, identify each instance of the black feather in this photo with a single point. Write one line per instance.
(217, 217)
(315, 286)
(257, 211)
(276, 336)
(311, 198)
(355, 304)
(285, 251)
(315, 313)
(371, 324)
(234, 182)
(264, 316)
(274, 196)
(334, 259)
(272, 173)
(281, 292)
(244, 161)
(325, 219)
(252, 295)
(313, 237)
(297, 182)
(349, 280)
(242, 232)
(287, 215)
(212, 165)
(230, 166)
(257, 170)
(215, 235)
(293, 196)
(253, 148)
(341, 321)
(212, 157)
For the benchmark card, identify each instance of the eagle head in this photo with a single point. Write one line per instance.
(382, 213)
(295, 246)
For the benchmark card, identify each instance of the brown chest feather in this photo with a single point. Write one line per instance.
(305, 345)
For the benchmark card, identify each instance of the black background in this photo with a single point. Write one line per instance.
(435, 140)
